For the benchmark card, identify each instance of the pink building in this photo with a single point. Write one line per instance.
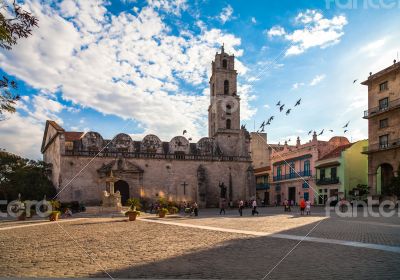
(293, 168)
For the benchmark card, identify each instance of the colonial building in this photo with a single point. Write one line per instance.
(341, 171)
(293, 168)
(383, 117)
(177, 169)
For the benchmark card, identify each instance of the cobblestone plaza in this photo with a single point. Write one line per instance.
(273, 245)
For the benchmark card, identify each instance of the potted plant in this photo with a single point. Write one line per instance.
(173, 210)
(54, 215)
(162, 212)
(132, 214)
(134, 206)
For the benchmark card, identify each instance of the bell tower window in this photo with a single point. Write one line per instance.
(224, 64)
(228, 124)
(226, 87)
(228, 109)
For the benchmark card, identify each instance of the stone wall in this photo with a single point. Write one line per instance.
(160, 178)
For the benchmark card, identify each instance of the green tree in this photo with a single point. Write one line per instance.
(15, 23)
(23, 176)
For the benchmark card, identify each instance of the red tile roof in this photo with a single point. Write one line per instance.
(73, 135)
(336, 152)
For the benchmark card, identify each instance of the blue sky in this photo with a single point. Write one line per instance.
(142, 67)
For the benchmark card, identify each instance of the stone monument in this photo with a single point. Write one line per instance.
(111, 200)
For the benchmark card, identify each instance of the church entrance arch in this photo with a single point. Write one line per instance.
(123, 187)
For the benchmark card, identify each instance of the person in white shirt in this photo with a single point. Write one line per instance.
(308, 207)
(254, 208)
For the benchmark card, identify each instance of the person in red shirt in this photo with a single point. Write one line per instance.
(302, 206)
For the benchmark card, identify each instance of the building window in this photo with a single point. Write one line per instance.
(383, 123)
(228, 124)
(333, 172)
(225, 63)
(226, 87)
(278, 187)
(305, 185)
(322, 174)
(383, 103)
(228, 109)
(384, 141)
(383, 86)
(291, 170)
(307, 168)
(279, 172)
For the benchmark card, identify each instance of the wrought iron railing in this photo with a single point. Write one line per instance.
(262, 186)
(380, 109)
(327, 181)
(156, 156)
(391, 144)
(293, 175)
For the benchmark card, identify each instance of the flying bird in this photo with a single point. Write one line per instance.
(322, 131)
(298, 102)
(346, 125)
(262, 125)
(184, 132)
(355, 81)
(271, 118)
(288, 112)
(281, 108)
(309, 132)
(262, 129)
(190, 139)
(345, 131)
(278, 104)
(330, 130)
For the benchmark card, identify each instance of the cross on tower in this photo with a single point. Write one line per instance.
(184, 184)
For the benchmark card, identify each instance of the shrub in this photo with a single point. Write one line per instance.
(134, 204)
(173, 210)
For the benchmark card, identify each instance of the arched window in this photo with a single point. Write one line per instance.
(226, 87)
(228, 109)
(224, 64)
(228, 124)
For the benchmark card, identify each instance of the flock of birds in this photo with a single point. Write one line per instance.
(288, 110)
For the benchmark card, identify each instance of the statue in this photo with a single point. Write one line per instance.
(110, 198)
(223, 190)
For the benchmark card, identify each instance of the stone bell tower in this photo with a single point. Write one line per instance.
(224, 109)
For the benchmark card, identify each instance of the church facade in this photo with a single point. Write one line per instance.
(177, 170)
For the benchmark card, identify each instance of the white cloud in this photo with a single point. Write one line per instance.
(126, 65)
(317, 31)
(297, 85)
(226, 14)
(317, 79)
(276, 31)
(22, 132)
(374, 48)
(253, 20)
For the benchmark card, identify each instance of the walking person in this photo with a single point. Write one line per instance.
(308, 207)
(222, 206)
(254, 211)
(241, 206)
(302, 206)
(195, 209)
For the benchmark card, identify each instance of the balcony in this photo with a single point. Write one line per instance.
(292, 176)
(262, 186)
(328, 181)
(391, 144)
(378, 110)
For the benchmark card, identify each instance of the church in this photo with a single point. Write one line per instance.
(151, 168)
